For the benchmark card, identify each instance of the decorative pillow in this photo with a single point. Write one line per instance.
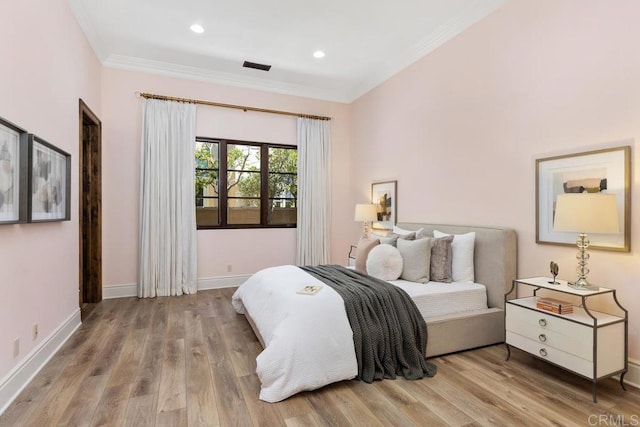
(416, 257)
(419, 233)
(462, 268)
(377, 233)
(441, 258)
(384, 262)
(362, 251)
(391, 239)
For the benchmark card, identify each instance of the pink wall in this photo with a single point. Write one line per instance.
(46, 66)
(246, 251)
(460, 129)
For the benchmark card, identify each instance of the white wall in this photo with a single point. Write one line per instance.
(460, 129)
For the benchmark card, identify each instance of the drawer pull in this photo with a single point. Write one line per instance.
(542, 322)
(543, 352)
(542, 337)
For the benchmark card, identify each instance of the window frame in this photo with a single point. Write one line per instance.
(223, 197)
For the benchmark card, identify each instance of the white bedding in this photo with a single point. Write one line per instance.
(439, 299)
(301, 352)
(308, 340)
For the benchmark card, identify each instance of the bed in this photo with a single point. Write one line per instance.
(323, 350)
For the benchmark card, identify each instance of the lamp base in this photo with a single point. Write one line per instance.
(583, 285)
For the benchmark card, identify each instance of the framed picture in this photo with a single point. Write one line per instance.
(13, 173)
(607, 170)
(50, 182)
(383, 195)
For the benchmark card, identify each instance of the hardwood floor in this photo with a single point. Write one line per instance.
(190, 361)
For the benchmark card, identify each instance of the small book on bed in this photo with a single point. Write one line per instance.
(310, 290)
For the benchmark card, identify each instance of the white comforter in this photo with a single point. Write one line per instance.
(308, 340)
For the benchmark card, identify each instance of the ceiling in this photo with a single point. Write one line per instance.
(365, 41)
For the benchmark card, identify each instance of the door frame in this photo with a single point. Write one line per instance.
(90, 200)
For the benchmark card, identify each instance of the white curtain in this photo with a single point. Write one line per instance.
(167, 242)
(314, 191)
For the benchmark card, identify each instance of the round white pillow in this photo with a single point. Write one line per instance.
(384, 262)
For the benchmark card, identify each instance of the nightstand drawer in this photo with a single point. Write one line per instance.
(553, 355)
(550, 338)
(590, 343)
(548, 322)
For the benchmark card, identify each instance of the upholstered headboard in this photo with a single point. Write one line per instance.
(495, 256)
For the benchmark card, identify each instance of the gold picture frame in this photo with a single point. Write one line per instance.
(607, 170)
(384, 196)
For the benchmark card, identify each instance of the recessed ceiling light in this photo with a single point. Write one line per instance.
(197, 28)
(318, 54)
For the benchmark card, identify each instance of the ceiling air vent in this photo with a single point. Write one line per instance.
(257, 66)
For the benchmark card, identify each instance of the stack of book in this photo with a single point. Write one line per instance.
(554, 305)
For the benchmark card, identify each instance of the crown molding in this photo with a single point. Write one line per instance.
(476, 11)
(228, 79)
(387, 68)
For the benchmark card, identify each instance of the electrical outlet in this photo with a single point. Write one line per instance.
(16, 347)
(34, 331)
(229, 268)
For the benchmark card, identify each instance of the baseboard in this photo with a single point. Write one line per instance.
(21, 375)
(119, 291)
(131, 290)
(221, 282)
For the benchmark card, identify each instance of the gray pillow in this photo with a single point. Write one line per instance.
(416, 259)
(389, 240)
(441, 257)
(392, 238)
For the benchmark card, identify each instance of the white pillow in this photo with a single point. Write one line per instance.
(384, 262)
(420, 233)
(462, 268)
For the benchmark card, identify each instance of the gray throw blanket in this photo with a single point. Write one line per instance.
(389, 333)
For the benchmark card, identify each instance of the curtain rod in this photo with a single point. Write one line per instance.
(237, 107)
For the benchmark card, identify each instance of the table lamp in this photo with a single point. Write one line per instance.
(585, 213)
(366, 213)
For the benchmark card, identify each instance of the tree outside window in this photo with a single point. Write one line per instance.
(255, 187)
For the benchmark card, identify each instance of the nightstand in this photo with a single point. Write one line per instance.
(591, 344)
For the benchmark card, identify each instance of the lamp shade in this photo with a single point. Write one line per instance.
(586, 213)
(365, 212)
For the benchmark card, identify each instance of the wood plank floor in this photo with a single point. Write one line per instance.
(190, 361)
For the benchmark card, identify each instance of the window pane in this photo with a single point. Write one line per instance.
(282, 211)
(243, 211)
(283, 160)
(207, 212)
(283, 185)
(243, 178)
(243, 157)
(243, 184)
(206, 183)
(206, 155)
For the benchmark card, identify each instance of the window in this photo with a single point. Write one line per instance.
(255, 185)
